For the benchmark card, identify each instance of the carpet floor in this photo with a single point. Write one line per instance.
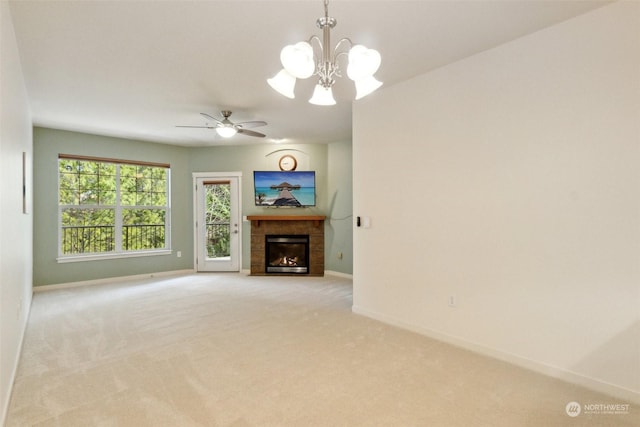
(229, 349)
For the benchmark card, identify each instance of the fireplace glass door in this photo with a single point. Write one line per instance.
(287, 254)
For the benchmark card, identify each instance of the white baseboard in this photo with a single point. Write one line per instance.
(111, 280)
(514, 359)
(14, 370)
(339, 274)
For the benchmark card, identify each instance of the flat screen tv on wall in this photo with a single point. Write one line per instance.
(285, 189)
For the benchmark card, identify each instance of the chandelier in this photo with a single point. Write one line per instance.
(300, 62)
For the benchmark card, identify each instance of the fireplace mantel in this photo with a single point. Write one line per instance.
(256, 219)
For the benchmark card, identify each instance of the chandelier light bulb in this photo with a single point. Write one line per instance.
(283, 83)
(298, 60)
(363, 62)
(366, 85)
(322, 96)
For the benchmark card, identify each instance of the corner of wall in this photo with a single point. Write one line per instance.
(16, 222)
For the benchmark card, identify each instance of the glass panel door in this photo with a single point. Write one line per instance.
(218, 224)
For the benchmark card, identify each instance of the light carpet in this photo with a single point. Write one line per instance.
(235, 350)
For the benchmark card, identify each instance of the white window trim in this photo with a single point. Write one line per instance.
(113, 255)
(61, 258)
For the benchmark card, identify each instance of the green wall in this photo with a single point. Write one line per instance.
(246, 159)
(339, 227)
(48, 144)
(332, 163)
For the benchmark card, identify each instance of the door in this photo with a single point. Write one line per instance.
(218, 232)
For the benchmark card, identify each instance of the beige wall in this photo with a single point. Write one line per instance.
(15, 226)
(511, 181)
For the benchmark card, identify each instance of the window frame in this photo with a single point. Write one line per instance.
(118, 209)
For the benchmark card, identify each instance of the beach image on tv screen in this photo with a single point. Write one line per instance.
(278, 188)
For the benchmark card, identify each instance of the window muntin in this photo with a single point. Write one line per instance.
(112, 207)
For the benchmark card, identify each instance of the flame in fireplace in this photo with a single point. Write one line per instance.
(286, 261)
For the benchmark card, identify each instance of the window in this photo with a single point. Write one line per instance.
(112, 207)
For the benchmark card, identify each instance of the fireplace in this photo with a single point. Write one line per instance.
(287, 253)
(308, 226)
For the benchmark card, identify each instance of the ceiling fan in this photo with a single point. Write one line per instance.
(227, 128)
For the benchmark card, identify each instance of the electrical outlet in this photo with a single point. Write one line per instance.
(339, 255)
(179, 254)
(452, 301)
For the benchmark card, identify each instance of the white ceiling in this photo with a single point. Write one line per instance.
(136, 69)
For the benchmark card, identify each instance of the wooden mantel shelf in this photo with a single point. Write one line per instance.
(257, 218)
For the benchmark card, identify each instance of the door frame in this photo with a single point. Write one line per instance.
(215, 175)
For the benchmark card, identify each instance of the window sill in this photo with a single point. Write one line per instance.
(96, 257)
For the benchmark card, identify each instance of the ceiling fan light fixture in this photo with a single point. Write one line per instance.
(283, 83)
(305, 59)
(226, 131)
(226, 128)
(322, 96)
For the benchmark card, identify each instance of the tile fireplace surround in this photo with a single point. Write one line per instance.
(263, 225)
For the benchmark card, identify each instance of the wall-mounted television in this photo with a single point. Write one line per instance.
(282, 188)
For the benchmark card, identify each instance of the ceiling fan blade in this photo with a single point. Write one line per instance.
(251, 133)
(253, 124)
(199, 127)
(207, 116)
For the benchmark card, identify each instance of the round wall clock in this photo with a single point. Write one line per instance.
(287, 163)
